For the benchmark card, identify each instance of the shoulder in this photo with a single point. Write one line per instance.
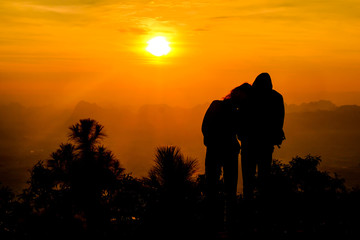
(216, 102)
(276, 95)
(215, 106)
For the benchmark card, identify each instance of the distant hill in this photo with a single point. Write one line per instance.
(332, 134)
(31, 134)
(311, 107)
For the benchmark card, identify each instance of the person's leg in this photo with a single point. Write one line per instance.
(230, 182)
(214, 210)
(248, 168)
(212, 172)
(264, 159)
(231, 173)
(264, 169)
(246, 207)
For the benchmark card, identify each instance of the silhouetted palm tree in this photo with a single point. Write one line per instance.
(79, 179)
(172, 171)
(86, 135)
(62, 158)
(92, 160)
(109, 171)
(174, 198)
(60, 164)
(94, 172)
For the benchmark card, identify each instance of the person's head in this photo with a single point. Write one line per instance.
(262, 82)
(239, 94)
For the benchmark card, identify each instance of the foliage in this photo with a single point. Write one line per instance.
(171, 170)
(80, 185)
(174, 193)
(7, 213)
(302, 176)
(82, 191)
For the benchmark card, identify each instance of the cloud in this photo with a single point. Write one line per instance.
(259, 12)
(44, 8)
(134, 30)
(63, 3)
(289, 10)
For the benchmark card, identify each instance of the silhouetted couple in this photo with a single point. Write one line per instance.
(253, 114)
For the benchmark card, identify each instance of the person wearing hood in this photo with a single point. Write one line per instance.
(264, 131)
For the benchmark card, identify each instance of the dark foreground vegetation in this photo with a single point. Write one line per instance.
(82, 191)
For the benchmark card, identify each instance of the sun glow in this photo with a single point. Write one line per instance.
(158, 46)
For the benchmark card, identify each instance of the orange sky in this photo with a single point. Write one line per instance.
(61, 52)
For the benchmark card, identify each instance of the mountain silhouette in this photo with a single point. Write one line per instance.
(321, 105)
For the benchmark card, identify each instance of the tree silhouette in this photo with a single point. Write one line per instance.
(78, 181)
(309, 180)
(86, 135)
(173, 202)
(60, 165)
(172, 172)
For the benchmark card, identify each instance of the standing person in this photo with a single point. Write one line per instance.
(265, 130)
(219, 129)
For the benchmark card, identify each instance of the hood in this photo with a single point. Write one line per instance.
(263, 82)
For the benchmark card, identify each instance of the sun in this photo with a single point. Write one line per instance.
(158, 46)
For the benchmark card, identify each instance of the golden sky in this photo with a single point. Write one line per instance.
(64, 51)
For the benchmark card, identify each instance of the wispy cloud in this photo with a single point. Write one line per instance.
(44, 8)
(134, 30)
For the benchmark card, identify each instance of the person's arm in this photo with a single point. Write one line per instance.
(281, 112)
(207, 116)
(208, 120)
(280, 117)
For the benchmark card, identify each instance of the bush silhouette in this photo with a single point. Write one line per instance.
(304, 201)
(7, 213)
(301, 176)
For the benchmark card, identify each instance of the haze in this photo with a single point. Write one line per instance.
(30, 134)
(57, 54)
